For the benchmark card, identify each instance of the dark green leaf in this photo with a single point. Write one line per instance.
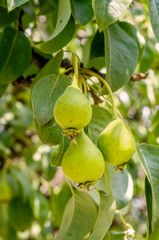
(44, 95)
(148, 156)
(82, 11)
(50, 67)
(20, 214)
(48, 6)
(60, 40)
(3, 89)
(148, 195)
(3, 3)
(122, 187)
(79, 217)
(12, 4)
(154, 16)
(5, 17)
(50, 133)
(120, 47)
(97, 45)
(100, 119)
(15, 55)
(108, 11)
(58, 152)
(105, 216)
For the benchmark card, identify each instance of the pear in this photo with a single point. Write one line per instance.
(72, 109)
(83, 162)
(116, 143)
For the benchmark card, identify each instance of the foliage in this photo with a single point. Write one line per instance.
(104, 46)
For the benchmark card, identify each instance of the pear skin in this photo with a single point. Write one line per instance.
(116, 143)
(83, 161)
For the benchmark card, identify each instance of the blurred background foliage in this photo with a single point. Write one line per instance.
(39, 192)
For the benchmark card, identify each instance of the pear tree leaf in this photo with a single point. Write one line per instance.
(148, 156)
(154, 16)
(82, 11)
(121, 46)
(154, 235)
(148, 195)
(105, 217)
(121, 186)
(60, 40)
(12, 4)
(44, 95)
(64, 12)
(100, 119)
(79, 217)
(50, 67)
(15, 55)
(109, 11)
(5, 17)
(3, 89)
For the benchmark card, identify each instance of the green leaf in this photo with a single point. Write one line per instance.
(61, 40)
(79, 217)
(12, 4)
(64, 12)
(3, 3)
(100, 119)
(105, 216)
(20, 214)
(122, 187)
(154, 16)
(82, 11)
(97, 46)
(154, 235)
(50, 67)
(112, 235)
(40, 207)
(148, 195)
(44, 95)
(121, 46)
(109, 11)
(15, 55)
(50, 133)
(3, 89)
(5, 17)
(148, 156)
(58, 152)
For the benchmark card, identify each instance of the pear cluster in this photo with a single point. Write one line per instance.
(82, 162)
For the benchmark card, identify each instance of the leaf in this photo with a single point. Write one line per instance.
(5, 17)
(109, 11)
(105, 216)
(148, 195)
(154, 16)
(112, 235)
(100, 119)
(64, 12)
(44, 95)
(79, 217)
(50, 133)
(3, 89)
(15, 55)
(121, 46)
(20, 214)
(61, 40)
(122, 187)
(97, 46)
(12, 4)
(148, 156)
(3, 3)
(58, 152)
(82, 11)
(50, 67)
(154, 235)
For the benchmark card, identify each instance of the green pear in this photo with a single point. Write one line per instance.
(72, 109)
(116, 143)
(83, 162)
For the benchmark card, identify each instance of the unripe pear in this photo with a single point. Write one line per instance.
(116, 143)
(83, 162)
(72, 109)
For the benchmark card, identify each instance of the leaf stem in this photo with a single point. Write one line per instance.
(92, 73)
(70, 186)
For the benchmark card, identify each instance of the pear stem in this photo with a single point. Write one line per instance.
(92, 73)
